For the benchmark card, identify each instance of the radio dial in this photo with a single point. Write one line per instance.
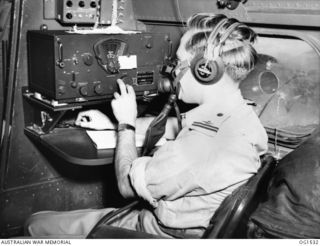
(84, 90)
(98, 89)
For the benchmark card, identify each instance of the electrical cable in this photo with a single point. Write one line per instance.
(114, 15)
(180, 15)
(270, 99)
(178, 114)
(157, 127)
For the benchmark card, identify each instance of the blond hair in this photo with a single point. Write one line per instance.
(236, 51)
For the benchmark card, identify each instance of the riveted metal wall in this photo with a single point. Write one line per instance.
(31, 179)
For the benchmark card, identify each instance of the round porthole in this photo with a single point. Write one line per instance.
(268, 82)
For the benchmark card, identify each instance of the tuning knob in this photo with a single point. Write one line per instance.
(83, 90)
(113, 65)
(87, 59)
(61, 89)
(98, 89)
(74, 84)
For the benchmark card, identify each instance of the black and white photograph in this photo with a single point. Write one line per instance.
(159, 119)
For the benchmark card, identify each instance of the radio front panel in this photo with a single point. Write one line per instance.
(70, 67)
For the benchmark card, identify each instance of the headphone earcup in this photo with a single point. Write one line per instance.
(207, 72)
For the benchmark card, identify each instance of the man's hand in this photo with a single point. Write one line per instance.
(124, 105)
(94, 119)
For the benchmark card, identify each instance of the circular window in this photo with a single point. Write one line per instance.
(268, 82)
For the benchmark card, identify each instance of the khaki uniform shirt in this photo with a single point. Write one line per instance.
(217, 150)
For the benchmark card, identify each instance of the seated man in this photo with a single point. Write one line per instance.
(217, 150)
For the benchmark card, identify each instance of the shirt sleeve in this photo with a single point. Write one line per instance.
(167, 175)
(196, 164)
(137, 178)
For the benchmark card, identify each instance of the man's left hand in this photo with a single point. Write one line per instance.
(124, 105)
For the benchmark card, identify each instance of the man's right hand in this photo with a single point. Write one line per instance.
(94, 119)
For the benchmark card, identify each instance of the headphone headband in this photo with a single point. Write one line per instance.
(229, 30)
(213, 36)
(208, 68)
(223, 38)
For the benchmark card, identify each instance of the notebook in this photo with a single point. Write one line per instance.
(107, 139)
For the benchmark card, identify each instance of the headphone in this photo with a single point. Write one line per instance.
(208, 67)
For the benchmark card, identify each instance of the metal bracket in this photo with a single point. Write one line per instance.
(230, 4)
(51, 121)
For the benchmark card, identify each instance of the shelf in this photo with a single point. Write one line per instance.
(74, 146)
(47, 104)
(70, 143)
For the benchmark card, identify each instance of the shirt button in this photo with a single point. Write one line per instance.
(220, 114)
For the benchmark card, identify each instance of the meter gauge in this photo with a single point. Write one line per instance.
(108, 51)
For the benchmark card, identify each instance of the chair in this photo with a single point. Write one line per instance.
(229, 220)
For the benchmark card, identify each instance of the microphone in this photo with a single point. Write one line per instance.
(165, 85)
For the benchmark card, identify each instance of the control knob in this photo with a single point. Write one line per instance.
(83, 90)
(98, 89)
(61, 89)
(87, 59)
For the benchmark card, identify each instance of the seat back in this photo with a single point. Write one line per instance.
(230, 219)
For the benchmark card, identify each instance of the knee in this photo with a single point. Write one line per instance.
(35, 224)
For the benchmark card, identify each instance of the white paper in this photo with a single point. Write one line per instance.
(128, 62)
(105, 30)
(108, 139)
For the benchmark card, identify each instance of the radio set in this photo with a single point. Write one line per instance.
(72, 67)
